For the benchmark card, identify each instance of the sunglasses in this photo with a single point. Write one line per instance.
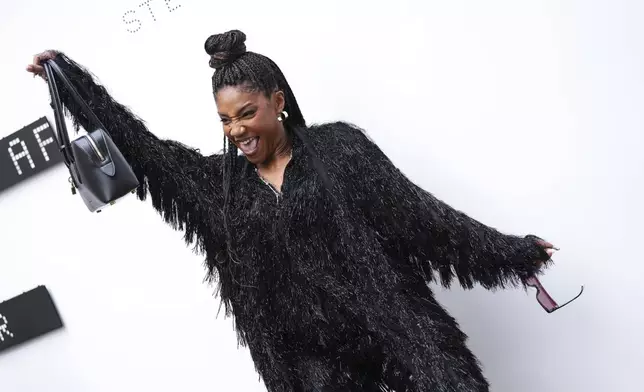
(544, 299)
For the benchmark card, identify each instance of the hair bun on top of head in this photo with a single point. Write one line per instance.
(225, 48)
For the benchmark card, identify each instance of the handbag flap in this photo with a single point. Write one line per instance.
(96, 147)
(105, 144)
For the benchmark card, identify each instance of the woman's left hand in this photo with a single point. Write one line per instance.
(550, 250)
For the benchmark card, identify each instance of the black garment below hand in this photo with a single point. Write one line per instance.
(328, 289)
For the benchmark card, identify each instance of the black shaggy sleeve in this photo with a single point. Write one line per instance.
(434, 237)
(182, 183)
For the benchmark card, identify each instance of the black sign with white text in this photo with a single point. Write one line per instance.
(27, 316)
(28, 152)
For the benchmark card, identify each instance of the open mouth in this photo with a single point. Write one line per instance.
(249, 146)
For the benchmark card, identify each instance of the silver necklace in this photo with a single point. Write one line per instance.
(277, 193)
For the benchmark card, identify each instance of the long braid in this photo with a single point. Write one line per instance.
(234, 66)
(229, 157)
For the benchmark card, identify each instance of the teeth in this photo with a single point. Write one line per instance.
(247, 141)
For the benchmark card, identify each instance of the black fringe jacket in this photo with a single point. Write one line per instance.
(328, 289)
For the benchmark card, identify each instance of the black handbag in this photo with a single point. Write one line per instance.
(98, 170)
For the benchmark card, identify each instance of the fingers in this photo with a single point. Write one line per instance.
(44, 56)
(37, 70)
(36, 67)
(546, 245)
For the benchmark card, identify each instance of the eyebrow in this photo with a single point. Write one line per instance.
(246, 105)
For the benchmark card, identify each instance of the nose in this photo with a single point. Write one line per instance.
(237, 130)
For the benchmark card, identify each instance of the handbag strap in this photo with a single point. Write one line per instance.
(59, 117)
(91, 116)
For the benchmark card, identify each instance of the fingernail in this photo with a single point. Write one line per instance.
(555, 248)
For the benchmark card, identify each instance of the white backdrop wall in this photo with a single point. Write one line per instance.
(525, 114)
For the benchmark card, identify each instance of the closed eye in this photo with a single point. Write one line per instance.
(246, 114)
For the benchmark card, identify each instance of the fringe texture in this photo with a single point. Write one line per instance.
(328, 287)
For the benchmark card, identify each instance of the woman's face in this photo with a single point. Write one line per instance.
(250, 120)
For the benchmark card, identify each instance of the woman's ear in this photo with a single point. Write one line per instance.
(279, 101)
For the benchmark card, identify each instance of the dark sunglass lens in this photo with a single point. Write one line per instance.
(546, 301)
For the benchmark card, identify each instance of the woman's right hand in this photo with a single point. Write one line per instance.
(36, 67)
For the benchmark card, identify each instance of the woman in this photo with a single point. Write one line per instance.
(322, 249)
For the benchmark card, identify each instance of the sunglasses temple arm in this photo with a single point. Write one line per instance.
(534, 281)
(577, 296)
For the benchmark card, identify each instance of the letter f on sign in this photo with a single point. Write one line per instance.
(4, 330)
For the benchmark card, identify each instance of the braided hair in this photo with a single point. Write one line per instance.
(236, 67)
